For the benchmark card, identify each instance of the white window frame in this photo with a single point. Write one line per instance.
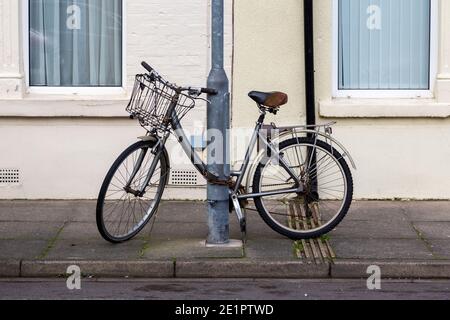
(434, 38)
(88, 91)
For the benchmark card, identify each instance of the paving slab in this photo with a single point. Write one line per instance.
(51, 211)
(380, 249)
(188, 211)
(79, 230)
(352, 269)
(250, 269)
(95, 249)
(121, 269)
(164, 230)
(193, 228)
(258, 229)
(29, 231)
(372, 229)
(434, 230)
(21, 249)
(10, 268)
(440, 248)
(157, 230)
(7, 210)
(270, 249)
(188, 249)
(376, 211)
(427, 210)
(85, 211)
(88, 230)
(175, 230)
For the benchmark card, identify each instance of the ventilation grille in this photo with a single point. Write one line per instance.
(9, 176)
(184, 178)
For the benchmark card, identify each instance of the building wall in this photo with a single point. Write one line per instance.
(64, 144)
(401, 146)
(268, 56)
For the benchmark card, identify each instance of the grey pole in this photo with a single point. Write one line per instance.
(218, 126)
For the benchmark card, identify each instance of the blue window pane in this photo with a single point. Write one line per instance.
(384, 44)
(75, 43)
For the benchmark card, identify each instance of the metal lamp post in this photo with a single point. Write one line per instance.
(218, 126)
(219, 118)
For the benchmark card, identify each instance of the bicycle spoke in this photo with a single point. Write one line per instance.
(324, 188)
(124, 213)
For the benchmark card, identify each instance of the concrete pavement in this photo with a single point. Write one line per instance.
(42, 238)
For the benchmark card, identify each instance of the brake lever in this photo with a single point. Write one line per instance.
(203, 99)
(195, 92)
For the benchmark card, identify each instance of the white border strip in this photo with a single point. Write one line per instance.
(71, 90)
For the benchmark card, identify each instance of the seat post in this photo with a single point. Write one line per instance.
(262, 115)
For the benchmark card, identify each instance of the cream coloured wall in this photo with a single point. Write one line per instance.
(64, 144)
(268, 56)
(11, 74)
(68, 158)
(401, 146)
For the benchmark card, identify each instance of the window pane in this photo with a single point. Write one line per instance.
(75, 43)
(384, 44)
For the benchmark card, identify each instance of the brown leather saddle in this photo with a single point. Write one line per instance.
(269, 99)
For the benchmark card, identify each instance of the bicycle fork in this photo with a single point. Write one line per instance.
(157, 151)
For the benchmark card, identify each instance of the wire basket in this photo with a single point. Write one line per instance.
(151, 100)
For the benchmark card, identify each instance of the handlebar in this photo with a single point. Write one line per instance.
(209, 91)
(147, 66)
(198, 91)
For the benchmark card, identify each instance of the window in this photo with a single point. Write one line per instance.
(384, 47)
(75, 43)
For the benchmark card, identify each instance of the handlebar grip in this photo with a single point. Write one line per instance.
(209, 91)
(147, 66)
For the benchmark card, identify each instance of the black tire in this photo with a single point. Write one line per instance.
(163, 178)
(298, 235)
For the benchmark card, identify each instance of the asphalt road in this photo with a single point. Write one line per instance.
(223, 289)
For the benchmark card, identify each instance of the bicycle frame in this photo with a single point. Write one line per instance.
(202, 167)
(236, 189)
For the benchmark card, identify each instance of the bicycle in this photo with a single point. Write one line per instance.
(302, 185)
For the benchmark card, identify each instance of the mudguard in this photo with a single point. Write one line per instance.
(292, 133)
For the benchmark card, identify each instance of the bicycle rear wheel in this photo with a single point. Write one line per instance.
(122, 210)
(327, 183)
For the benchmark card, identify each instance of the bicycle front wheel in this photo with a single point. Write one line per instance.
(327, 189)
(125, 205)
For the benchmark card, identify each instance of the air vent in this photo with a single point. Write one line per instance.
(9, 176)
(184, 178)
